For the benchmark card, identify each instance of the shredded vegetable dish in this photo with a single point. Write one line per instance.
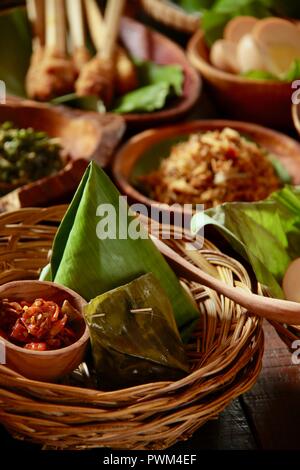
(211, 168)
(40, 325)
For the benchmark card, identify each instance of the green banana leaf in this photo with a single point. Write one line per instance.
(133, 335)
(265, 233)
(91, 265)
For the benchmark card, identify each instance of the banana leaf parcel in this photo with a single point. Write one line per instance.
(92, 263)
(134, 337)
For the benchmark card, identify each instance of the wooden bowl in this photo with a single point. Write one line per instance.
(45, 365)
(260, 101)
(147, 44)
(84, 136)
(143, 152)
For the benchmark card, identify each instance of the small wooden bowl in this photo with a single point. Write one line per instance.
(260, 101)
(83, 134)
(45, 365)
(143, 152)
(146, 44)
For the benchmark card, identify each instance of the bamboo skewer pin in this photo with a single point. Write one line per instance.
(75, 18)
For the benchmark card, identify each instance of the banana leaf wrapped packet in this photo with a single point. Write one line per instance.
(92, 263)
(134, 336)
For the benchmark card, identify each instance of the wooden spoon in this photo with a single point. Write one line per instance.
(282, 311)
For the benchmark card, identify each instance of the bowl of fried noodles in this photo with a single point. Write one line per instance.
(207, 162)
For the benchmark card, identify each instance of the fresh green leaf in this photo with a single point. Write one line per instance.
(213, 24)
(260, 75)
(233, 6)
(148, 98)
(158, 83)
(92, 264)
(150, 73)
(266, 233)
(293, 73)
(90, 103)
(281, 171)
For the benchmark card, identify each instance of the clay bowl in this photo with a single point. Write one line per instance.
(147, 44)
(260, 101)
(143, 153)
(45, 365)
(84, 136)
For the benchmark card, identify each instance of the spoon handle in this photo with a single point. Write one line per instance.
(279, 310)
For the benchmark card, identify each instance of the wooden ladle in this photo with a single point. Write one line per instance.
(282, 311)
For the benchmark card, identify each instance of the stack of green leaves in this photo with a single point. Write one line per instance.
(92, 254)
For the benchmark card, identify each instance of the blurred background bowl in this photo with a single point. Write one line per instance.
(264, 102)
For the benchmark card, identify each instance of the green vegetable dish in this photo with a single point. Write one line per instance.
(26, 155)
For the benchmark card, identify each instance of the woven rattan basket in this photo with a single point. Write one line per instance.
(171, 15)
(225, 356)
